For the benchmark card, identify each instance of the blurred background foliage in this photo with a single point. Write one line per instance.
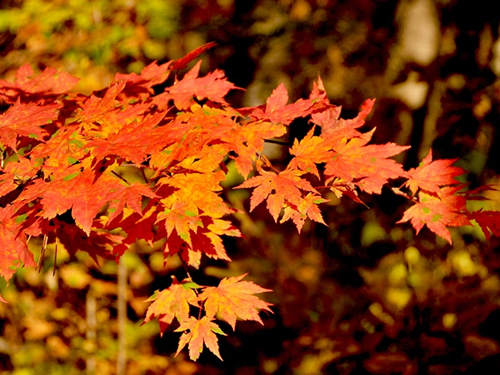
(362, 295)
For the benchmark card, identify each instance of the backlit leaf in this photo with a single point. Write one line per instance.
(233, 299)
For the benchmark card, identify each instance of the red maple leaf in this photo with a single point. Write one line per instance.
(233, 299)
(365, 165)
(17, 173)
(489, 221)
(438, 211)
(79, 191)
(64, 149)
(127, 195)
(287, 186)
(194, 236)
(432, 175)
(135, 227)
(306, 209)
(14, 248)
(335, 129)
(247, 141)
(213, 86)
(97, 109)
(140, 85)
(277, 111)
(50, 81)
(133, 142)
(25, 120)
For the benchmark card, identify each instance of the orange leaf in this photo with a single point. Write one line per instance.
(25, 119)
(431, 175)
(133, 142)
(277, 111)
(50, 81)
(200, 332)
(366, 166)
(438, 211)
(309, 151)
(140, 86)
(171, 303)
(213, 86)
(286, 186)
(307, 208)
(130, 195)
(14, 248)
(234, 299)
(247, 141)
(335, 129)
(79, 191)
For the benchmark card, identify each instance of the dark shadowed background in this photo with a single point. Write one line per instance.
(361, 296)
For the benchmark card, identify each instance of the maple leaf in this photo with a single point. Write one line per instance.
(97, 109)
(233, 299)
(190, 216)
(79, 191)
(437, 211)
(247, 141)
(196, 235)
(17, 173)
(50, 81)
(336, 130)
(489, 221)
(172, 302)
(14, 248)
(213, 86)
(133, 142)
(366, 166)
(200, 190)
(286, 185)
(25, 119)
(307, 208)
(134, 226)
(96, 243)
(431, 175)
(201, 332)
(308, 152)
(181, 216)
(130, 195)
(193, 139)
(277, 111)
(318, 91)
(140, 85)
(208, 158)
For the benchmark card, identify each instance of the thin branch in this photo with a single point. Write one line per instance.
(91, 320)
(184, 265)
(121, 178)
(42, 252)
(121, 361)
(55, 258)
(144, 176)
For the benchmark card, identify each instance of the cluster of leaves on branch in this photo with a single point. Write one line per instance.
(63, 156)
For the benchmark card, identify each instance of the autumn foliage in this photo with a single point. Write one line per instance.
(64, 155)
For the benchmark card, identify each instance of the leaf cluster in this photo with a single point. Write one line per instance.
(62, 176)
